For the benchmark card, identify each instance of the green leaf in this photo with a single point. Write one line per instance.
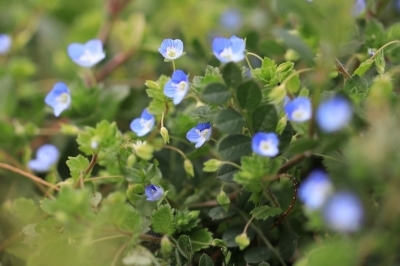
(285, 138)
(162, 220)
(216, 93)
(363, 67)
(257, 254)
(380, 62)
(186, 220)
(201, 239)
(232, 147)
(226, 173)
(229, 121)
(265, 118)
(185, 246)
(288, 244)
(219, 212)
(264, 212)
(355, 85)
(231, 75)
(267, 71)
(205, 260)
(204, 113)
(293, 84)
(77, 166)
(248, 95)
(263, 264)
(301, 145)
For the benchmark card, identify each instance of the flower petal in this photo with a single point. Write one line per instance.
(5, 43)
(170, 89)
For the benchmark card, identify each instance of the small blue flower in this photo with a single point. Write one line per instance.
(46, 156)
(359, 7)
(315, 190)
(199, 134)
(229, 50)
(231, 19)
(343, 212)
(5, 43)
(171, 49)
(58, 98)
(298, 109)
(177, 87)
(88, 54)
(334, 114)
(265, 144)
(153, 192)
(141, 126)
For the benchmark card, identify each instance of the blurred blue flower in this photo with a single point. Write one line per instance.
(58, 98)
(265, 144)
(231, 19)
(46, 156)
(298, 109)
(5, 43)
(88, 54)
(229, 50)
(199, 134)
(153, 192)
(359, 7)
(315, 190)
(141, 126)
(177, 87)
(171, 49)
(343, 212)
(334, 114)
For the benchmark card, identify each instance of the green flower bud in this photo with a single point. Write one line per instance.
(187, 164)
(69, 129)
(164, 135)
(95, 199)
(223, 200)
(243, 241)
(166, 246)
(131, 160)
(285, 67)
(143, 150)
(281, 125)
(291, 55)
(212, 165)
(152, 84)
(278, 93)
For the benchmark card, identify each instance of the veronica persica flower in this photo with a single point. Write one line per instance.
(265, 144)
(229, 50)
(5, 43)
(298, 109)
(343, 212)
(177, 87)
(88, 54)
(58, 98)
(359, 7)
(315, 190)
(46, 156)
(171, 49)
(199, 134)
(334, 114)
(153, 192)
(142, 125)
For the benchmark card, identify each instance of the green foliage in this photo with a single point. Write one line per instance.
(248, 95)
(162, 220)
(216, 93)
(77, 166)
(264, 212)
(229, 121)
(205, 260)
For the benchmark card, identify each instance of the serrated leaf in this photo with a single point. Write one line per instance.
(77, 166)
(265, 118)
(288, 244)
(162, 220)
(231, 75)
(355, 85)
(216, 93)
(201, 239)
(248, 95)
(363, 67)
(233, 147)
(205, 260)
(229, 121)
(257, 254)
(264, 212)
(185, 246)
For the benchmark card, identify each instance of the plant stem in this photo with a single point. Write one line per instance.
(342, 70)
(383, 47)
(255, 55)
(173, 65)
(114, 63)
(103, 177)
(175, 149)
(248, 62)
(231, 163)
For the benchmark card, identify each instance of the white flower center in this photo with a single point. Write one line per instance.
(298, 114)
(202, 133)
(265, 146)
(171, 52)
(87, 56)
(227, 53)
(145, 123)
(62, 98)
(182, 86)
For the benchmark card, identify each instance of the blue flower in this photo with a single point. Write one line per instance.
(343, 212)
(88, 54)
(298, 109)
(315, 190)
(58, 98)
(229, 50)
(231, 19)
(359, 7)
(153, 192)
(46, 156)
(334, 114)
(141, 126)
(5, 43)
(171, 49)
(265, 144)
(199, 134)
(177, 87)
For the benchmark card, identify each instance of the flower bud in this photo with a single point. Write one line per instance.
(143, 150)
(211, 165)
(278, 93)
(166, 246)
(131, 160)
(152, 84)
(187, 164)
(281, 125)
(242, 240)
(164, 135)
(223, 200)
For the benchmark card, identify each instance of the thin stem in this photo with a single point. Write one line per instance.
(270, 196)
(342, 70)
(248, 62)
(383, 47)
(103, 177)
(292, 162)
(255, 55)
(162, 119)
(83, 175)
(175, 149)
(28, 175)
(113, 64)
(107, 238)
(231, 163)
(173, 65)
(119, 252)
(248, 224)
(296, 73)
